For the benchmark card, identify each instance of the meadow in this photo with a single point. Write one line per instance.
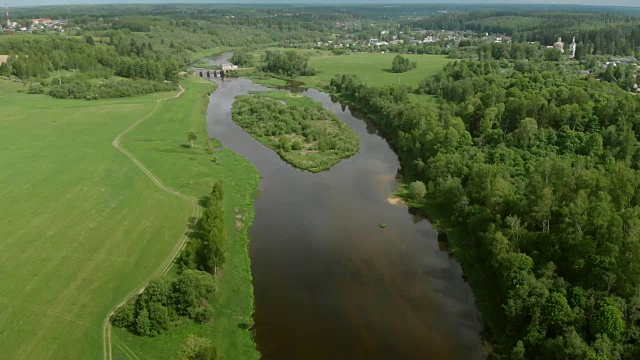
(161, 144)
(373, 68)
(82, 226)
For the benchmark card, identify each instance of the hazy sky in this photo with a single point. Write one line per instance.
(582, 2)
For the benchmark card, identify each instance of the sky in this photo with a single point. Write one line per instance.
(325, 2)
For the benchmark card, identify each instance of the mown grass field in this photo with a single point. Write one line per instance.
(81, 226)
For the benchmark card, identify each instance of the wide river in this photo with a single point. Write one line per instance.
(329, 282)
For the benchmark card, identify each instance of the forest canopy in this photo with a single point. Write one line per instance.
(537, 171)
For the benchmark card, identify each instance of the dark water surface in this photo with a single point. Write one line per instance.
(329, 282)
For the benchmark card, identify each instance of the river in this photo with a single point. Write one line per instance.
(329, 282)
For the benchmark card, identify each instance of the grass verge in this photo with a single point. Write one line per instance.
(161, 143)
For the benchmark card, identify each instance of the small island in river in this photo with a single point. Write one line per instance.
(299, 129)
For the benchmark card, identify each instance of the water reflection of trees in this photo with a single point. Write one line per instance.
(293, 86)
(443, 243)
(360, 115)
(419, 215)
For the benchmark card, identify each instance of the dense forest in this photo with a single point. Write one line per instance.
(536, 168)
(83, 60)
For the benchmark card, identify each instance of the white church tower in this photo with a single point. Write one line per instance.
(573, 48)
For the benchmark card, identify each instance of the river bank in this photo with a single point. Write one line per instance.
(451, 236)
(161, 144)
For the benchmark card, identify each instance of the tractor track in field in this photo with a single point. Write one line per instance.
(166, 265)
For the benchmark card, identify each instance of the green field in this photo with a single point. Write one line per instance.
(82, 226)
(373, 68)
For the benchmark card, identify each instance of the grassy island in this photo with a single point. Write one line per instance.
(299, 129)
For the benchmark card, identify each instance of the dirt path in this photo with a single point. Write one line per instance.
(166, 265)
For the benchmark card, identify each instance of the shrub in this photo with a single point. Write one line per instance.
(203, 313)
(285, 144)
(59, 92)
(151, 313)
(82, 89)
(143, 324)
(401, 64)
(35, 89)
(127, 88)
(323, 144)
(158, 318)
(190, 289)
(124, 315)
(418, 190)
(72, 90)
(157, 291)
(198, 348)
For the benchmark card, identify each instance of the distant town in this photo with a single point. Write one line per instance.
(41, 24)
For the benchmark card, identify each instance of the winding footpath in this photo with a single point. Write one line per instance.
(166, 265)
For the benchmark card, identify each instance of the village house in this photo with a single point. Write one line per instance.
(42, 21)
